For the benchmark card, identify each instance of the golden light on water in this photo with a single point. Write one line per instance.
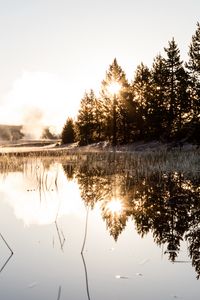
(115, 206)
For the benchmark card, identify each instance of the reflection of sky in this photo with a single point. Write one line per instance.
(41, 205)
(43, 266)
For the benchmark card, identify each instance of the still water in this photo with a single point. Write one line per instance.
(94, 231)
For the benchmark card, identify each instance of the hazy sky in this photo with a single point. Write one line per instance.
(52, 50)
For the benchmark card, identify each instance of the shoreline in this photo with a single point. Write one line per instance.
(47, 148)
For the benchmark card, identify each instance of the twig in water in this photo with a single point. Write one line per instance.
(59, 292)
(61, 240)
(56, 181)
(6, 262)
(86, 277)
(10, 254)
(6, 243)
(86, 225)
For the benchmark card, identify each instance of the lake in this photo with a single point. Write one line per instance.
(79, 229)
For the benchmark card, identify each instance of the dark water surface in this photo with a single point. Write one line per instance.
(95, 231)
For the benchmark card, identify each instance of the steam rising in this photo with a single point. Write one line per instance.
(38, 100)
(33, 124)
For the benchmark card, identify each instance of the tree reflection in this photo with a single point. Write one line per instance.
(94, 186)
(165, 204)
(115, 215)
(69, 171)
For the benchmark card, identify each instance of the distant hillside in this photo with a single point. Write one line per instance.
(10, 132)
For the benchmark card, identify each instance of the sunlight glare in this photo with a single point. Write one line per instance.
(115, 206)
(114, 88)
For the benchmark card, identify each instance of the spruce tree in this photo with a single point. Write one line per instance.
(193, 66)
(176, 87)
(127, 115)
(86, 120)
(183, 105)
(99, 127)
(115, 105)
(68, 132)
(141, 87)
(157, 112)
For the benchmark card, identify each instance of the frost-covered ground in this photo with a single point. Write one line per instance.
(52, 146)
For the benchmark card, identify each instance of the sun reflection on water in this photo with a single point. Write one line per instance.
(115, 207)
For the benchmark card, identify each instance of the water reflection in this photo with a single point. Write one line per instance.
(61, 236)
(9, 256)
(165, 204)
(38, 195)
(86, 276)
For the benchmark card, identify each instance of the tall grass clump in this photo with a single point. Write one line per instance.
(145, 162)
(8, 164)
(137, 162)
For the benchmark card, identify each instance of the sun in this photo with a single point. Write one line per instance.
(114, 87)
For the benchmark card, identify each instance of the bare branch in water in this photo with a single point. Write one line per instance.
(59, 292)
(61, 239)
(6, 243)
(10, 254)
(85, 234)
(86, 277)
(6, 262)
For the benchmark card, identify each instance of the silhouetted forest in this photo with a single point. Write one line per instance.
(160, 103)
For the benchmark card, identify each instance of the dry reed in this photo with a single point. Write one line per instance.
(144, 162)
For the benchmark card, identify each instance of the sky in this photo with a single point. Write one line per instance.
(52, 51)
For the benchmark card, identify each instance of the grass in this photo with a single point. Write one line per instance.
(142, 162)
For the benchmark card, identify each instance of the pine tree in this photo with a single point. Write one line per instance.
(141, 87)
(175, 86)
(157, 113)
(127, 114)
(193, 66)
(68, 132)
(115, 105)
(183, 105)
(86, 120)
(99, 127)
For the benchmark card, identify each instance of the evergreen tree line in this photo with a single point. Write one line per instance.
(161, 102)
